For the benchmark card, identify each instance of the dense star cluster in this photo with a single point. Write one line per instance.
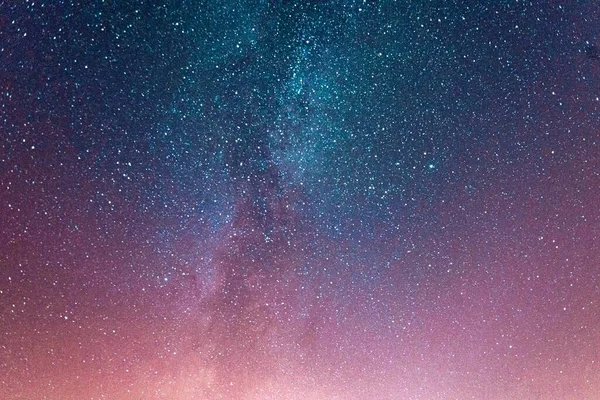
(317, 200)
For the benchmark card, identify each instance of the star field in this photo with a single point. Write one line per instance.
(319, 200)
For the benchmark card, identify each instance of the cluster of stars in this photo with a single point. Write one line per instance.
(299, 200)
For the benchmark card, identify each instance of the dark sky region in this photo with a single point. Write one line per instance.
(317, 200)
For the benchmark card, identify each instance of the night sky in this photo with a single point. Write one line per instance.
(316, 200)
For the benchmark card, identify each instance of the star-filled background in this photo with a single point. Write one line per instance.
(318, 200)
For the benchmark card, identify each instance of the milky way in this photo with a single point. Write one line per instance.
(318, 200)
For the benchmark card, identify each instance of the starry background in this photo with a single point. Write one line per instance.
(299, 200)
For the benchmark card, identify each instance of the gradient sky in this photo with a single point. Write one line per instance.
(316, 200)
